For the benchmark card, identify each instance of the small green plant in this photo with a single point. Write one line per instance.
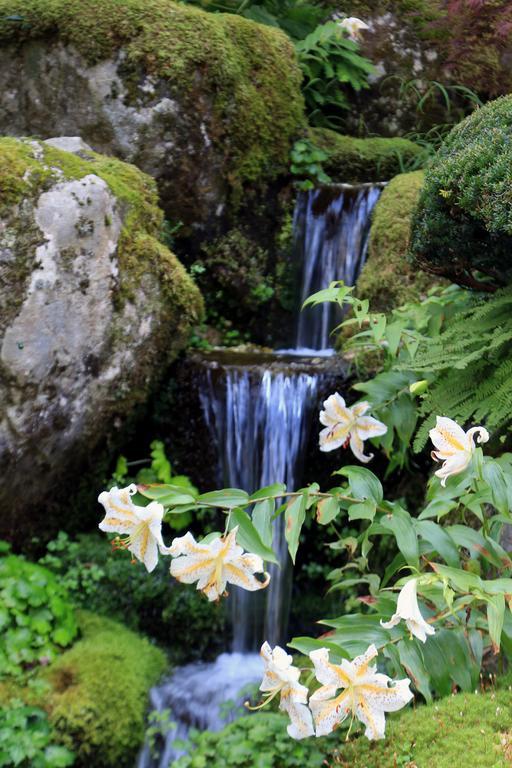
(158, 471)
(26, 740)
(331, 63)
(258, 741)
(36, 618)
(307, 160)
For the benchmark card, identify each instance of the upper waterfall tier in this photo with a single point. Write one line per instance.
(331, 226)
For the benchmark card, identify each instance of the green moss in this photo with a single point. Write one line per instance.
(467, 729)
(28, 168)
(98, 698)
(245, 74)
(354, 160)
(387, 279)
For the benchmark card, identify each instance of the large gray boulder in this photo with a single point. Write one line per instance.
(205, 103)
(92, 309)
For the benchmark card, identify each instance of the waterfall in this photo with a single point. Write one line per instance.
(331, 226)
(258, 409)
(259, 419)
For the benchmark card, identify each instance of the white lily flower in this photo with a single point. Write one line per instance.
(353, 26)
(348, 424)
(407, 608)
(364, 692)
(142, 524)
(280, 676)
(216, 564)
(454, 446)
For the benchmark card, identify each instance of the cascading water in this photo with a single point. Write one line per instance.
(259, 420)
(331, 226)
(258, 410)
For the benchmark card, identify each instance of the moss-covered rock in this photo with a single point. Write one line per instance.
(92, 308)
(463, 225)
(206, 103)
(354, 160)
(388, 279)
(96, 694)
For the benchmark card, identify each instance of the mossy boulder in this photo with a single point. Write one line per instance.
(206, 103)
(96, 693)
(353, 160)
(92, 308)
(388, 279)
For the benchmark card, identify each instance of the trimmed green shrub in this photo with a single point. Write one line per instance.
(387, 279)
(463, 225)
(36, 618)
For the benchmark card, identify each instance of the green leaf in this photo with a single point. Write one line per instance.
(249, 538)
(363, 484)
(440, 540)
(262, 520)
(401, 525)
(307, 644)
(167, 495)
(495, 619)
(411, 658)
(228, 498)
(327, 510)
(277, 489)
(363, 510)
(295, 514)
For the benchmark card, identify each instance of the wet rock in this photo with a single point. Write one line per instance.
(92, 308)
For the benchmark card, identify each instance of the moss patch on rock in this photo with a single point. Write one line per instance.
(388, 280)
(96, 694)
(353, 160)
(246, 73)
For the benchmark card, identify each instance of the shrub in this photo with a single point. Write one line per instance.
(109, 584)
(463, 225)
(36, 619)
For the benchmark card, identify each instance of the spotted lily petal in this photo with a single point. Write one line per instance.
(454, 447)
(216, 564)
(359, 689)
(142, 524)
(281, 677)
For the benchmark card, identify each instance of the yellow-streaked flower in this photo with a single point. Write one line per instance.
(344, 424)
(353, 27)
(142, 524)
(280, 676)
(357, 688)
(407, 608)
(216, 564)
(454, 447)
